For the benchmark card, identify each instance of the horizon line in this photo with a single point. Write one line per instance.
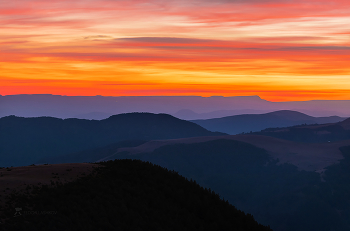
(212, 96)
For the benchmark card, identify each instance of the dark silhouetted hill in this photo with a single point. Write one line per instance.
(126, 195)
(24, 141)
(257, 122)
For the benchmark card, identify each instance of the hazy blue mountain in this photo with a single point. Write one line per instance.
(257, 122)
(24, 141)
(187, 114)
(96, 107)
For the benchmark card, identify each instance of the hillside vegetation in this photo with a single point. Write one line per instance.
(279, 195)
(127, 195)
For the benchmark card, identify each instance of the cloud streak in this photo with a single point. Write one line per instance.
(290, 44)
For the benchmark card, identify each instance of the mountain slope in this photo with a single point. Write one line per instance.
(256, 122)
(91, 155)
(345, 124)
(24, 141)
(282, 183)
(322, 133)
(127, 195)
(306, 156)
(277, 194)
(187, 114)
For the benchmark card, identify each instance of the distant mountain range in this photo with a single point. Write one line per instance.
(183, 107)
(24, 141)
(187, 114)
(256, 122)
(278, 141)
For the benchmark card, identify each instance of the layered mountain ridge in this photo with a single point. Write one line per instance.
(256, 122)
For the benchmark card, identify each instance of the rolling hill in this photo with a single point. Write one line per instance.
(305, 156)
(24, 141)
(256, 122)
(323, 133)
(187, 114)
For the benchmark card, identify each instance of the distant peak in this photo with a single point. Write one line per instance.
(286, 112)
(138, 115)
(293, 115)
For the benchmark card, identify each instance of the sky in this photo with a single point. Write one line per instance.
(281, 50)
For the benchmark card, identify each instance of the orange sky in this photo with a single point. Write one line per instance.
(280, 50)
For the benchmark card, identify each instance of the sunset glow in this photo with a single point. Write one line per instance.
(280, 50)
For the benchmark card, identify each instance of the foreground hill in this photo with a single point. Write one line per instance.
(288, 185)
(311, 133)
(24, 141)
(256, 122)
(18, 178)
(126, 195)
